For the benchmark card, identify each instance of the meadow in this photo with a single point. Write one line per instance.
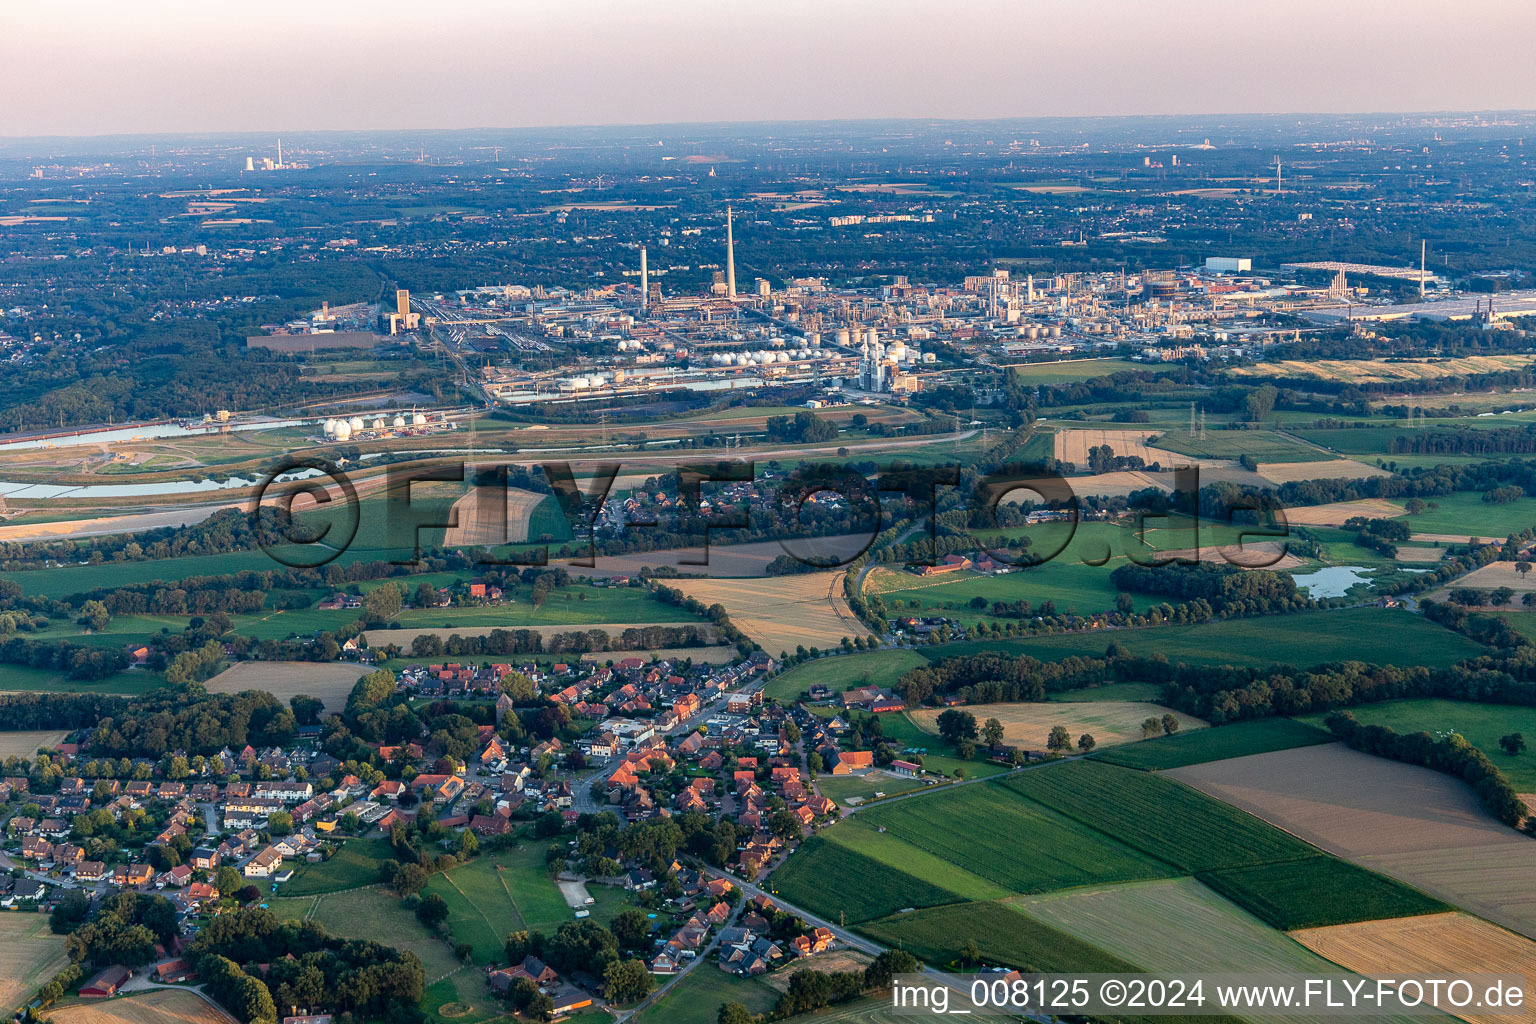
(696, 997)
(507, 890)
(1235, 740)
(355, 863)
(844, 672)
(1481, 724)
(20, 678)
(939, 755)
(1464, 513)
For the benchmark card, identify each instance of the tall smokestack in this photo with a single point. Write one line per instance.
(730, 257)
(1423, 246)
(645, 281)
(279, 152)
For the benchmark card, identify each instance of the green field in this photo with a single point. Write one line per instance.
(1070, 579)
(843, 787)
(1015, 843)
(508, 890)
(355, 864)
(1466, 514)
(939, 755)
(844, 672)
(1481, 724)
(1069, 371)
(1318, 891)
(695, 998)
(1160, 817)
(1003, 935)
(1383, 636)
(804, 879)
(19, 678)
(1239, 739)
(371, 912)
(1263, 445)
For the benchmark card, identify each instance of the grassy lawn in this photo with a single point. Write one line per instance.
(696, 997)
(355, 864)
(842, 788)
(1481, 724)
(21, 678)
(938, 755)
(1382, 636)
(844, 672)
(507, 890)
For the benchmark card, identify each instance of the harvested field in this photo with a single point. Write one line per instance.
(1177, 926)
(1420, 554)
(1336, 513)
(328, 682)
(1333, 469)
(1451, 538)
(1252, 554)
(1498, 574)
(783, 612)
(479, 525)
(25, 743)
(403, 637)
(30, 954)
(1437, 945)
(161, 1006)
(1028, 724)
(1408, 822)
(1382, 371)
(1072, 445)
(1115, 485)
(1171, 924)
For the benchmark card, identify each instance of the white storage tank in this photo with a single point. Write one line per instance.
(343, 430)
(355, 424)
(418, 419)
(329, 426)
(399, 421)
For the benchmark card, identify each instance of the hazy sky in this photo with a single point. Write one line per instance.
(97, 66)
